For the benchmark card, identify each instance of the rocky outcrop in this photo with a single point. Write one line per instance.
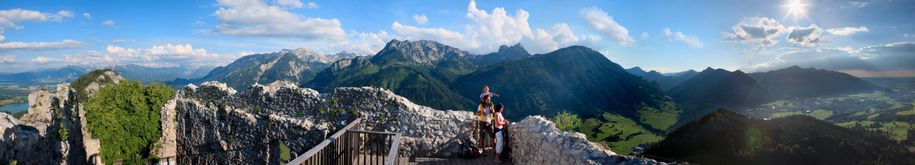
(215, 126)
(54, 129)
(107, 77)
(426, 132)
(20, 142)
(38, 138)
(167, 146)
(536, 140)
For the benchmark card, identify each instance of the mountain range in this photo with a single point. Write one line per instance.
(666, 81)
(575, 79)
(725, 137)
(795, 81)
(129, 71)
(161, 74)
(294, 65)
(56, 75)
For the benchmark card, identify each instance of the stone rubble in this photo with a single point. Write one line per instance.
(215, 126)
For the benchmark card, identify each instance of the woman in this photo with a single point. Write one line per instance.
(500, 123)
(485, 112)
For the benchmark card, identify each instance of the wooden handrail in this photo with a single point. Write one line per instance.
(302, 158)
(392, 154)
(373, 132)
(339, 147)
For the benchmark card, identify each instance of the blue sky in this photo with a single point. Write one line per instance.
(871, 38)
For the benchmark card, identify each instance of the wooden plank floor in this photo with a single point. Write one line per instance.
(488, 159)
(450, 161)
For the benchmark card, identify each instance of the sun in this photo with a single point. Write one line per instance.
(796, 9)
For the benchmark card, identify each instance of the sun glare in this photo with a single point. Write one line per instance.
(796, 9)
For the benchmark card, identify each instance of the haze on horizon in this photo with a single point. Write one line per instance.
(865, 38)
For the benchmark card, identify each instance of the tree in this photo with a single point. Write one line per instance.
(125, 118)
(566, 121)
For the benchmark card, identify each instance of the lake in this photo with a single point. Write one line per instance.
(13, 108)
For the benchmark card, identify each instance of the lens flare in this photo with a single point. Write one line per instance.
(796, 9)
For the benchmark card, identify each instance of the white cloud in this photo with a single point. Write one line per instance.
(844, 31)
(8, 59)
(690, 40)
(167, 55)
(40, 59)
(758, 31)
(604, 23)
(416, 33)
(8, 18)
(859, 4)
(365, 43)
(561, 35)
(644, 36)
(885, 59)
(121, 40)
(109, 23)
(497, 28)
(257, 18)
(420, 18)
(291, 3)
(805, 36)
(64, 13)
(11, 18)
(489, 30)
(39, 46)
(87, 15)
(311, 5)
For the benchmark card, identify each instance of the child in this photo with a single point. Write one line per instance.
(500, 123)
(486, 92)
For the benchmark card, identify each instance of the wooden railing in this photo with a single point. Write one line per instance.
(350, 146)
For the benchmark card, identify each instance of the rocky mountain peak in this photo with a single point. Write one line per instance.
(516, 49)
(636, 70)
(308, 55)
(423, 52)
(575, 51)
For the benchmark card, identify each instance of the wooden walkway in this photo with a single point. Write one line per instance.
(488, 159)
(450, 161)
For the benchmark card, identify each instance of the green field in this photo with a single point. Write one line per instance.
(619, 133)
(821, 114)
(911, 111)
(898, 130)
(660, 119)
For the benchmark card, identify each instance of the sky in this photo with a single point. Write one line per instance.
(866, 38)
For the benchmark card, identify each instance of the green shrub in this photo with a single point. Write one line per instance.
(354, 112)
(566, 121)
(63, 132)
(285, 156)
(125, 118)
